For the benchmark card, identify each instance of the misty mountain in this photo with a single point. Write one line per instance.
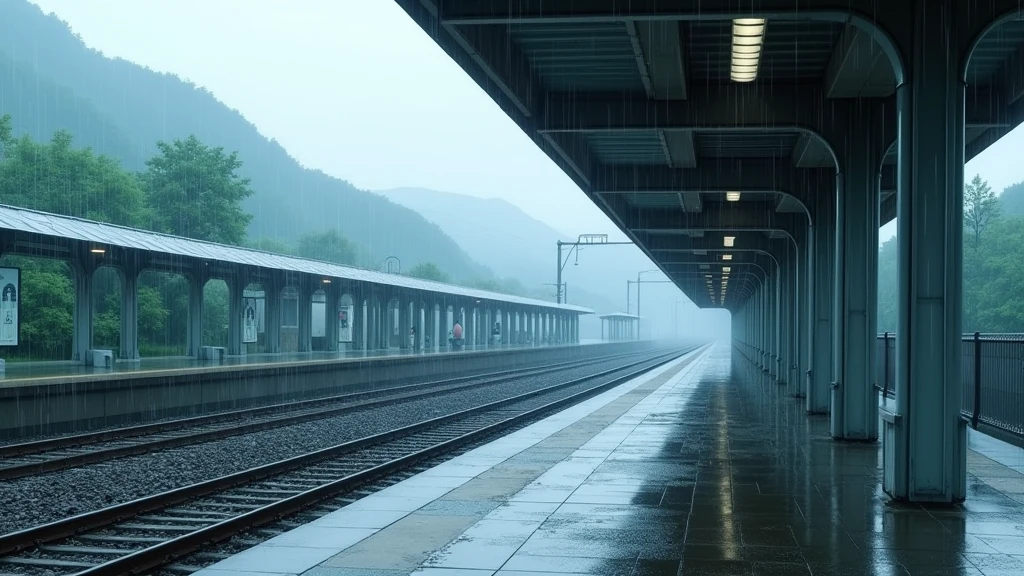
(49, 80)
(506, 239)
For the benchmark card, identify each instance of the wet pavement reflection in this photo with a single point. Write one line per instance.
(728, 475)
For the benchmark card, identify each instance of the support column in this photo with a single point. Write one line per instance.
(924, 446)
(129, 349)
(819, 377)
(194, 332)
(272, 314)
(83, 270)
(785, 316)
(854, 398)
(236, 286)
(800, 323)
(305, 335)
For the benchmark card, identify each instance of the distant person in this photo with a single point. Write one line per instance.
(457, 335)
(451, 339)
(412, 337)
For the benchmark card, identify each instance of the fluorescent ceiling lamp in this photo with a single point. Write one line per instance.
(747, 39)
(326, 280)
(726, 256)
(726, 269)
(729, 241)
(97, 250)
(732, 196)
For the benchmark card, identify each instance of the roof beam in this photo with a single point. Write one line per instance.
(502, 62)
(574, 11)
(715, 217)
(737, 107)
(712, 244)
(858, 67)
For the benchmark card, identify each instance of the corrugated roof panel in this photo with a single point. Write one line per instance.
(57, 226)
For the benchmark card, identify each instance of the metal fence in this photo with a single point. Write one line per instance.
(993, 378)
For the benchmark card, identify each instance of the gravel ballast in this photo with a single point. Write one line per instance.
(48, 497)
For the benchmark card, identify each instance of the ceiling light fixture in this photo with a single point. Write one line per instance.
(747, 38)
(726, 256)
(729, 241)
(726, 269)
(732, 196)
(97, 250)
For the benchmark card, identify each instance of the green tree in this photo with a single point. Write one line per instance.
(327, 246)
(429, 271)
(56, 177)
(195, 191)
(487, 284)
(47, 303)
(274, 245)
(981, 208)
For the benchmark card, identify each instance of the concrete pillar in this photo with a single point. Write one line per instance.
(854, 399)
(332, 293)
(272, 313)
(236, 285)
(924, 446)
(129, 349)
(83, 270)
(785, 316)
(194, 332)
(305, 335)
(421, 327)
(364, 325)
(822, 306)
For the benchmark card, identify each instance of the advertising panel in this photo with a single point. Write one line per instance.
(345, 323)
(10, 299)
(249, 327)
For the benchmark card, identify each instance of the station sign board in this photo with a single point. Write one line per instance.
(10, 300)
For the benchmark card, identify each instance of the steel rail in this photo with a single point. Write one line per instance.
(387, 396)
(97, 519)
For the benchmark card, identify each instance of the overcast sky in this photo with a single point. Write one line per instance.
(355, 88)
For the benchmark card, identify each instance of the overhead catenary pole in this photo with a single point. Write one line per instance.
(558, 282)
(589, 240)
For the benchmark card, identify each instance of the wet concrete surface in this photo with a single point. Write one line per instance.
(711, 472)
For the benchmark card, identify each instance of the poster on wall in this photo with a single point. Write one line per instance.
(345, 324)
(249, 321)
(10, 297)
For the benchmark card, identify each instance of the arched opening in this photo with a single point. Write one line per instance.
(318, 320)
(162, 314)
(394, 324)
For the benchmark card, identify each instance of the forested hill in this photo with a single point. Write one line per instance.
(50, 80)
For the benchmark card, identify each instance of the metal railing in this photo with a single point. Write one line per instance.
(992, 377)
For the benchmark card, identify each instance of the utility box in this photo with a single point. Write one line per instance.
(215, 353)
(103, 358)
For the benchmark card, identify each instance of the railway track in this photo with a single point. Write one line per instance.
(37, 457)
(150, 532)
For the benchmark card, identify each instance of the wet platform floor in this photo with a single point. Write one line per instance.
(692, 469)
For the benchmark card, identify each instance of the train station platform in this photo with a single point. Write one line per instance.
(694, 468)
(18, 373)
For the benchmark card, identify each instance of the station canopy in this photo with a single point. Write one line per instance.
(33, 226)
